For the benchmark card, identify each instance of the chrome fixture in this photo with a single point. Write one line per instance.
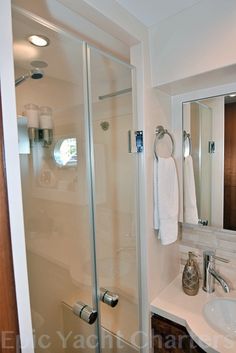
(210, 274)
(33, 134)
(135, 141)
(160, 132)
(46, 135)
(203, 222)
(108, 297)
(35, 74)
(114, 94)
(39, 64)
(188, 139)
(211, 146)
(105, 125)
(40, 124)
(85, 312)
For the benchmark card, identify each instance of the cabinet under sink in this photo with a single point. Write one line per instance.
(170, 337)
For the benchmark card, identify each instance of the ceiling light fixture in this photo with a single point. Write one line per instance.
(38, 40)
(232, 95)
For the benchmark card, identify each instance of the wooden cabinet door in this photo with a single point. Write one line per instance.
(8, 310)
(169, 337)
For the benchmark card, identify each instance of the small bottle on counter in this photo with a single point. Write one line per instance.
(190, 278)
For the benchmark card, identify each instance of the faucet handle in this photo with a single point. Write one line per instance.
(210, 254)
(226, 261)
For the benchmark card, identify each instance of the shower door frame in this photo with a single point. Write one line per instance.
(14, 179)
(91, 160)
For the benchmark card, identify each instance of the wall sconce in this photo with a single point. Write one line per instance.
(32, 115)
(45, 126)
(40, 124)
(46, 136)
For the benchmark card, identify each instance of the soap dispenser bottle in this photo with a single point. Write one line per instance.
(190, 279)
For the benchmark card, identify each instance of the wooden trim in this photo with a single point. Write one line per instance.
(230, 167)
(8, 310)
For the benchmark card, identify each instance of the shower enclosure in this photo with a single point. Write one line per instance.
(79, 194)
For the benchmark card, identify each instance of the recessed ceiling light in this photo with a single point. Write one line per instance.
(232, 95)
(38, 40)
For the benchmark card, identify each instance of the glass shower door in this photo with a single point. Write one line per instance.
(56, 191)
(79, 193)
(114, 203)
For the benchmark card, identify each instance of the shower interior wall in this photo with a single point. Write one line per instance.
(55, 208)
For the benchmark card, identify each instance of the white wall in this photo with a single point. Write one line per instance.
(162, 260)
(194, 41)
(159, 264)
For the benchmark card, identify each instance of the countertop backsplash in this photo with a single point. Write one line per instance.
(223, 242)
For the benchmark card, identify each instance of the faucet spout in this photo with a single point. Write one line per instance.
(222, 282)
(210, 274)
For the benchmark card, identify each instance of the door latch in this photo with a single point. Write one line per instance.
(135, 141)
(211, 147)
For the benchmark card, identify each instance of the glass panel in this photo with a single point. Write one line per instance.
(115, 185)
(56, 210)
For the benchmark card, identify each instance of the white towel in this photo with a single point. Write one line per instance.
(190, 201)
(166, 200)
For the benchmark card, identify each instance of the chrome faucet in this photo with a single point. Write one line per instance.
(210, 274)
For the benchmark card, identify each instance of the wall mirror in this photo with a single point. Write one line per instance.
(209, 162)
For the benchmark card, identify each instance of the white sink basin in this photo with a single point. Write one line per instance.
(221, 315)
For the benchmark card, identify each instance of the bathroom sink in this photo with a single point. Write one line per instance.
(221, 315)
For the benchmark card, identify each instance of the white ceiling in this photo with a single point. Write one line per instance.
(151, 12)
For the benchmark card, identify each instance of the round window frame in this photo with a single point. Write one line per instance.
(56, 152)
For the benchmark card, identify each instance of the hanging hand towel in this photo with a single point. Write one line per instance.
(166, 200)
(190, 202)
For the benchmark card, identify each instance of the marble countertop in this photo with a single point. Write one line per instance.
(173, 304)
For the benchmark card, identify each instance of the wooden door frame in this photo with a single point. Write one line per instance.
(13, 178)
(9, 332)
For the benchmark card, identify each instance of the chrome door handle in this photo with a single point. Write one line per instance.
(108, 297)
(85, 312)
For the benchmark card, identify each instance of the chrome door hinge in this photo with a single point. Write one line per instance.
(135, 141)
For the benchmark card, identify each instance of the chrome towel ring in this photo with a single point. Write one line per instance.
(187, 137)
(160, 132)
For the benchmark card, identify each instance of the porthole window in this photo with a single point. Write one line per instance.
(65, 152)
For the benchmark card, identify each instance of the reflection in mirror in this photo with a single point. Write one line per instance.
(209, 151)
